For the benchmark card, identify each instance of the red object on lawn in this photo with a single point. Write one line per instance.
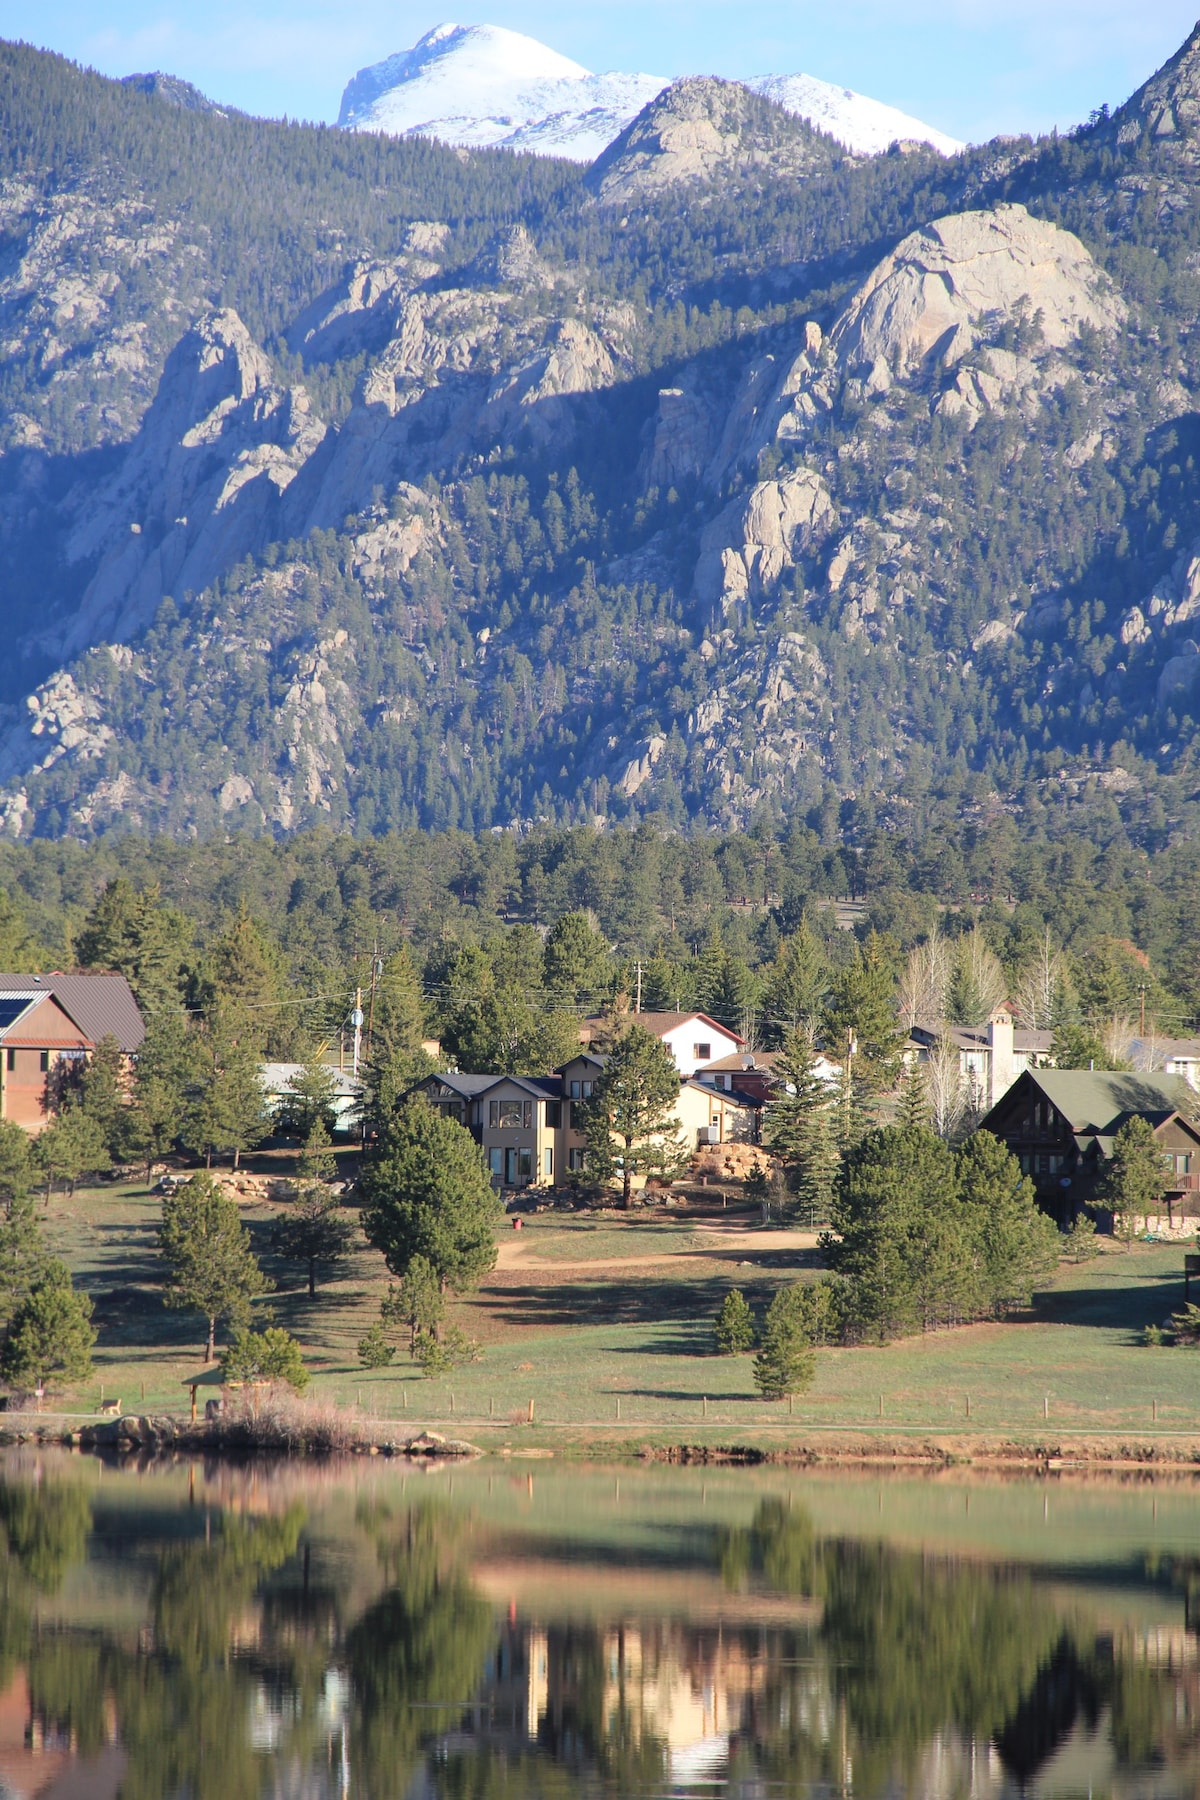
(517, 1224)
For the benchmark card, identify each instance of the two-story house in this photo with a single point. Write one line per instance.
(692, 1037)
(1061, 1124)
(47, 1020)
(990, 1057)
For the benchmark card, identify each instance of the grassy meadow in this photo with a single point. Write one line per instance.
(604, 1324)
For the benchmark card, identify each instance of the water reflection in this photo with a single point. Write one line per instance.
(229, 1635)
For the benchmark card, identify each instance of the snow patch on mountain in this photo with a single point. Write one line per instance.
(865, 126)
(484, 86)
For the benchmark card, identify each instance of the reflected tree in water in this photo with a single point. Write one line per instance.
(417, 1655)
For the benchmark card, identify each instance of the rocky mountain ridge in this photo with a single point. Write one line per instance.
(483, 85)
(635, 500)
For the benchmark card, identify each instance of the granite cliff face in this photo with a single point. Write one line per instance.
(736, 475)
(701, 129)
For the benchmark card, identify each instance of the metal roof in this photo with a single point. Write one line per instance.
(1098, 1101)
(101, 1005)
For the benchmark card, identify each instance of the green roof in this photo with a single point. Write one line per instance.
(1099, 1099)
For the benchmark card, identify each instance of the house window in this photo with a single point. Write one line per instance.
(553, 1114)
(574, 1090)
(702, 1052)
(549, 1165)
(496, 1162)
(11, 1060)
(510, 1168)
(524, 1165)
(507, 1115)
(1183, 1163)
(588, 1088)
(575, 1158)
(44, 1061)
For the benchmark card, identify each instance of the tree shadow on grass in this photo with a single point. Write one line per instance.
(641, 1301)
(1143, 1297)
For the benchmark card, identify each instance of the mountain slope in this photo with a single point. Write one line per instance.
(801, 479)
(480, 85)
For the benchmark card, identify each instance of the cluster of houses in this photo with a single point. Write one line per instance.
(1059, 1123)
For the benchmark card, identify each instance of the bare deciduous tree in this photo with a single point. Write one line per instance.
(1038, 988)
(978, 984)
(925, 983)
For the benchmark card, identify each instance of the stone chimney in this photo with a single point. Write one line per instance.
(1001, 1056)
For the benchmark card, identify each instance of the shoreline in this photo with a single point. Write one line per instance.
(909, 1448)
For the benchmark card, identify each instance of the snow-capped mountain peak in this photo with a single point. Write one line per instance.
(481, 85)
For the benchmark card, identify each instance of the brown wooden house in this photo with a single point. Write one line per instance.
(1060, 1124)
(36, 1034)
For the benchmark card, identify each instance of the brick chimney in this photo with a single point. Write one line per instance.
(1001, 1056)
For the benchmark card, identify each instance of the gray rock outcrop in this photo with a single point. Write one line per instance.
(217, 448)
(697, 129)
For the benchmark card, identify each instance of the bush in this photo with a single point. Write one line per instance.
(50, 1335)
(1152, 1337)
(270, 1355)
(734, 1325)
(1079, 1244)
(1185, 1325)
(786, 1362)
(438, 1356)
(374, 1351)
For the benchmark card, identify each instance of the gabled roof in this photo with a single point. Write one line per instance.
(965, 1037)
(660, 1022)
(1097, 1102)
(467, 1087)
(755, 1062)
(101, 1005)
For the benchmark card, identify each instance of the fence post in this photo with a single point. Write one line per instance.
(529, 1421)
(1045, 1406)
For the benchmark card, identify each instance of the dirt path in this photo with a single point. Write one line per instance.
(519, 1253)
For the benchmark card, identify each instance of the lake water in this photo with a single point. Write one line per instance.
(525, 1629)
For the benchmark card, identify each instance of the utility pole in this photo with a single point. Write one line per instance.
(848, 1085)
(638, 1003)
(356, 1019)
(376, 972)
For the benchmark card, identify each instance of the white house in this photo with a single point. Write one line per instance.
(692, 1037)
(1170, 1056)
(991, 1057)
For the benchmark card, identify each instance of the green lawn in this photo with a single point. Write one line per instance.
(580, 1343)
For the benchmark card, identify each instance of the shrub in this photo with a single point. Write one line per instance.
(1185, 1325)
(1079, 1244)
(437, 1356)
(374, 1351)
(734, 1325)
(270, 1355)
(786, 1362)
(1152, 1337)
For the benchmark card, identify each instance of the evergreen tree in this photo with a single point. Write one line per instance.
(795, 987)
(578, 963)
(16, 1161)
(914, 1110)
(894, 1239)
(734, 1325)
(785, 1363)
(166, 1085)
(132, 934)
(1010, 1243)
(272, 1355)
(427, 1193)
(1135, 1180)
(397, 1023)
(210, 1266)
(242, 984)
(310, 1101)
(416, 1304)
(23, 1254)
(630, 1125)
(103, 1096)
(50, 1335)
(313, 1229)
(1078, 1047)
(71, 1145)
(862, 1012)
(19, 950)
(229, 1111)
(800, 1129)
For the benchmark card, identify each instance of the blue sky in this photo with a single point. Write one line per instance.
(972, 67)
